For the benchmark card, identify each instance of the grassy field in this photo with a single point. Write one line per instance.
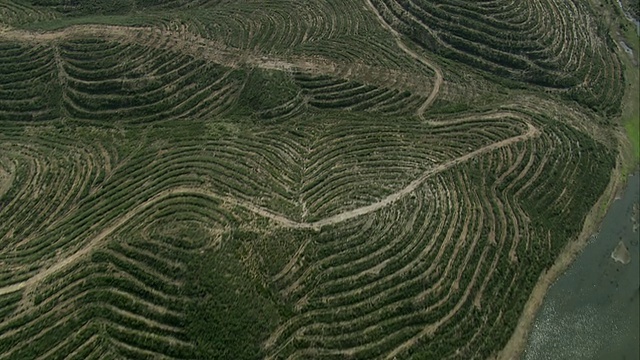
(320, 179)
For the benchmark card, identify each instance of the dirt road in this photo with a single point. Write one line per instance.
(283, 221)
(415, 55)
(186, 42)
(192, 43)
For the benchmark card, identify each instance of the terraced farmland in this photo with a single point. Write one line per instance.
(547, 43)
(316, 179)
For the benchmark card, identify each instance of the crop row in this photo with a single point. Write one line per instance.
(446, 263)
(323, 169)
(128, 294)
(368, 160)
(17, 13)
(434, 261)
(549, 43)
(319, 28)
(146, 86)
(325, 92)
(90, 79)
(27, 87)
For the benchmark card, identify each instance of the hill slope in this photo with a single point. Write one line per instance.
(316, 179)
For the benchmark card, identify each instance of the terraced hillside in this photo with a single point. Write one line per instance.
(557, 45)
(316, 179)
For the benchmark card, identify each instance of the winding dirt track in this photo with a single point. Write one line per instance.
(200, 47)
(183, 41)
(187, 42)
(415, 55)
(532, 131)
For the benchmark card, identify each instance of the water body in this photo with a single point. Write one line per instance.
(628, 16)
(592, 311)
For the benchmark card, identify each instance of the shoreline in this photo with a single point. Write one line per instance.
(626, 164)
(515, 347)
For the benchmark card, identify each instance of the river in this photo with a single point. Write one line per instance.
(592, 311)
(629, 17)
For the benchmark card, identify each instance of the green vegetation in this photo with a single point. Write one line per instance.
(538, 49)
(633, 129)
(625, 34)
(212, 179)
(266, 90)
(123, 20)
(633, 7)
(229, 314)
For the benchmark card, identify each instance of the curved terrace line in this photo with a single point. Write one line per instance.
(200, 45)
(204, 48)
(283, 221)
(439, 77)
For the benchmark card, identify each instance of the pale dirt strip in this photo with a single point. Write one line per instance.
(217, 52)
(208, 49)
(190, 43)
(280, 219)
(204, 48)
(531, 132)
(413, 54)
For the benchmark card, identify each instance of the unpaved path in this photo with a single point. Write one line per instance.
(12, 288)
(96, 240)
(413, 54)
(185, 42)
(169, 40)
(531, 132)
(210, 50)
